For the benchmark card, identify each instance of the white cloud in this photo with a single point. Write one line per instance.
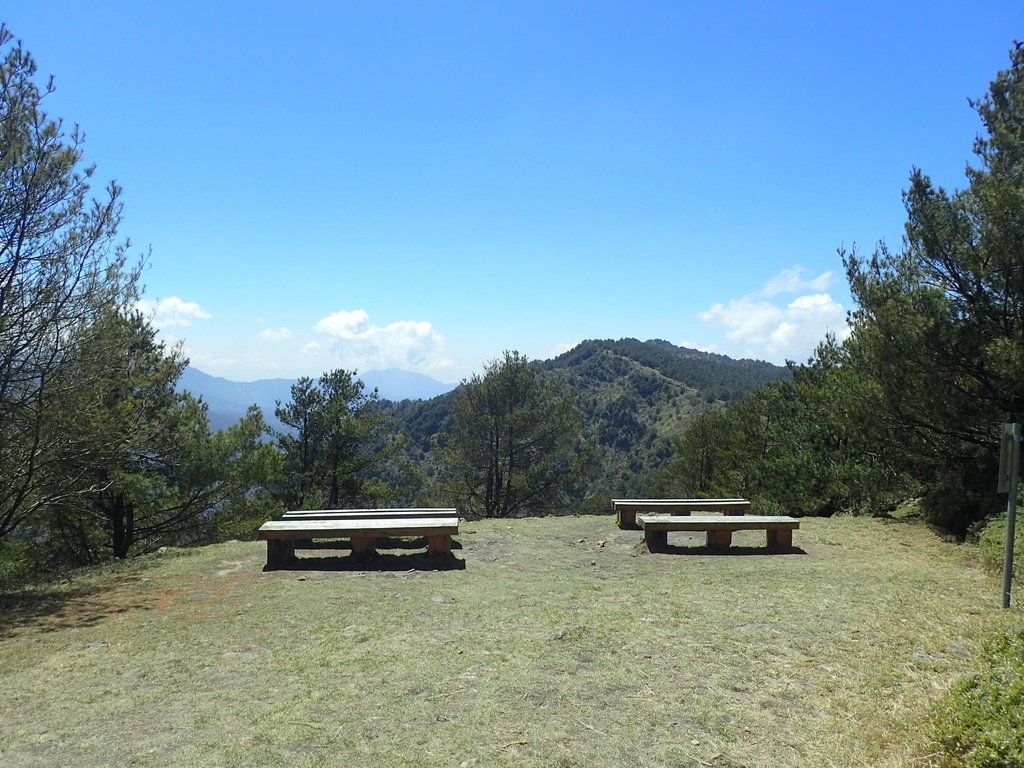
(241, 362)
(281, 334)
(346, 325)
(412, 344)
(776, 332)
(172, 312)
(792, 281)
(561, 349)
(759, 325)
(209, 362)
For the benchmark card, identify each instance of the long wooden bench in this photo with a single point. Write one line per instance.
(365, 534)
(364, 514)
(719, 528)
(627, 509)
(369, 514)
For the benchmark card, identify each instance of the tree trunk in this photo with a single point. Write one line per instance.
(122, 525)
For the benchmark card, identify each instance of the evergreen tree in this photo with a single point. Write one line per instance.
(940, 324)
(335, 450)
(60, 268)
(516, 445)
(808, 446)
(149, 471)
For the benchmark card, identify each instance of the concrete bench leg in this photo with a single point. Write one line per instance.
(627, 519)
(719, 539)
(439, 545)
(280, 552)
(656, 540)
(364, 546)
(781, 538)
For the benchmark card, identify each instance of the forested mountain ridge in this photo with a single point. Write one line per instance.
(717, 377)
(636, 397)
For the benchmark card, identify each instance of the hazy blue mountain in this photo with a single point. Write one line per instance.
(395, 384)
(228, 400)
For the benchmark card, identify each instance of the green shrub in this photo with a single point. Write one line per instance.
(980, 723)
(16, 563)
(766, 505)
(961, 498)
(992, 544)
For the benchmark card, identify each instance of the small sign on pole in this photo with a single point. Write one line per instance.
(1009, 478)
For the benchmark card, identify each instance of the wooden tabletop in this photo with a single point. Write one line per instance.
(694, 504)
(344, 528)
(708, 522)
(355, 514)
(668, 501)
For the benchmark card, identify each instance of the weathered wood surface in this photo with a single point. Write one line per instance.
(282, 535)
(719, 522)
(345, 528)
(280, 551)
(369, 514)
(627, 509)
(719, 529)
(439, 545)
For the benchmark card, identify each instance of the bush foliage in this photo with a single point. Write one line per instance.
(980, 723)
(992, 545)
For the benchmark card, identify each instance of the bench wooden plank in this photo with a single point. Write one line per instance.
(368, 514)
(282, 535)
(721, 522)
(719, 529)
(627, 509)
(344, 528)
(365, 513)
(662, 500)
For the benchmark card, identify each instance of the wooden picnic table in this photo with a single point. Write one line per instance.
(627, 509)
(719, 528)
(369, 514)
(365, 533)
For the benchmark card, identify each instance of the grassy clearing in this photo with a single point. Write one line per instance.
(559, 643)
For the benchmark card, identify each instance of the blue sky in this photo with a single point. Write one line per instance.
(424, 185)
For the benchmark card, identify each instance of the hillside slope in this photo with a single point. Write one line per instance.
(637, 396)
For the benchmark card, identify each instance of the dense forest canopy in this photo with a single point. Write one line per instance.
(636, 398)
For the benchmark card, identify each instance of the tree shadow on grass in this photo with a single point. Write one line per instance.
(383, 542)
(726, 551)
(419, 561)
(61, 607)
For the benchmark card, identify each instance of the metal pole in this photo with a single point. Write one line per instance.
(1011, 515)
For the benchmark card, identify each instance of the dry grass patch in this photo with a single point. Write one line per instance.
(560, 643)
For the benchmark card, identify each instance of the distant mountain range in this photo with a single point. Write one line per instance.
(636, 396)
(228, 400)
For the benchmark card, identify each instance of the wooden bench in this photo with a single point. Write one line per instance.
(363, 514)
(719, 528)
(368, 514)
(626, 509)
(282, 535)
